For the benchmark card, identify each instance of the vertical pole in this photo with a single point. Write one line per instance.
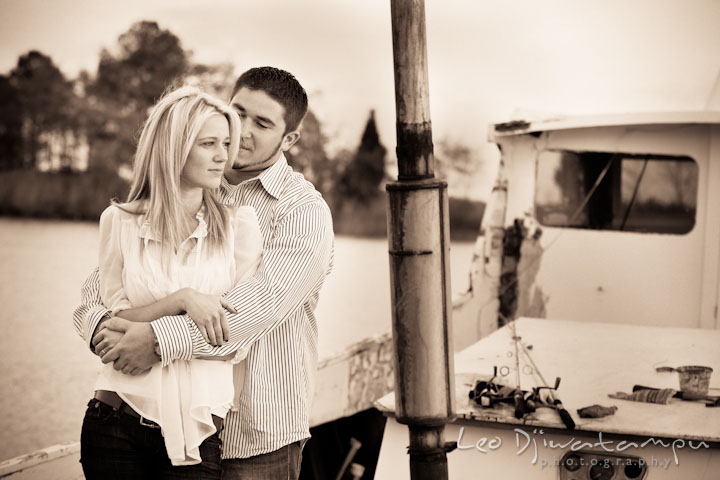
(412, 99)
(418, 240)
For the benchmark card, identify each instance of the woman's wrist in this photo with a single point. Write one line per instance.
(180, 300)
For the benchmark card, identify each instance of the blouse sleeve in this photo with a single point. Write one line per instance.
(248, 242)
(110, 262)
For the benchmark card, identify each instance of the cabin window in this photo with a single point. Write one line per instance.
(616, 191)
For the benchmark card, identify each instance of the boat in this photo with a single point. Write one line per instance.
(598, 266)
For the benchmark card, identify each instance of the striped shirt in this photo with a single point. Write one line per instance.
(275, 313)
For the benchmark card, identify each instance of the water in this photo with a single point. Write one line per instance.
(46, 371)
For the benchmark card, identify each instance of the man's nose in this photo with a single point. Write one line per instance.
(245, 126)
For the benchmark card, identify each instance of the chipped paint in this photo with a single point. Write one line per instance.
(522, 254)
(370, 374)
(512, 126)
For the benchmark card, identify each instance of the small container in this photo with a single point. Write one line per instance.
(694, 379)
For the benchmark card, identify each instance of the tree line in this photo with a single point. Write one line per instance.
(59, 135)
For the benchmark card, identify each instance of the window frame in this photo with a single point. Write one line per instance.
(541, 213)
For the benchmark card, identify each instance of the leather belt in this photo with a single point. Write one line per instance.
(113, 400)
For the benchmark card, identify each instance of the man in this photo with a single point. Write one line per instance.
(264, 439)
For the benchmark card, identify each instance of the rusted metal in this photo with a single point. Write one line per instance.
(421, 302)
(428, 453)
(414, 143)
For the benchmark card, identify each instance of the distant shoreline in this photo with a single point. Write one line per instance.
(82, 196)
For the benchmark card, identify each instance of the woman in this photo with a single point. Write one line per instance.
(172, 247)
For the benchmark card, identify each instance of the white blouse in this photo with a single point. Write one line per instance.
(183, 396)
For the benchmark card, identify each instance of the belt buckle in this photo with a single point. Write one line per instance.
(148, 423)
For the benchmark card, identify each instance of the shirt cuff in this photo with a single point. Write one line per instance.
(173, 338)
(95, 315)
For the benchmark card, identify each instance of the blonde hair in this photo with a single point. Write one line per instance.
(165, 143)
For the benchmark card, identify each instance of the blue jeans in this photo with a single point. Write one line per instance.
(282, 464)
(114, 445)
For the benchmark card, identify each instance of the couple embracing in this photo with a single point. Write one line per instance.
(201, 307)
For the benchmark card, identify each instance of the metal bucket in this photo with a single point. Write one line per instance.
(694, 379)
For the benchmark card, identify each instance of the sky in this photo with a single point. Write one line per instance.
(488, 61)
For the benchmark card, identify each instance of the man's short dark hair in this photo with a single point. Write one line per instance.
(280, 86)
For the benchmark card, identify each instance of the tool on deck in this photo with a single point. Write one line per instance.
(552, 396)
(489, 393)
(711, 400)
(484, 393)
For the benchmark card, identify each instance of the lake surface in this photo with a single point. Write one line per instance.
(47, 373)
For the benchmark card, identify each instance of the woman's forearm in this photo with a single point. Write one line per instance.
(170, 305)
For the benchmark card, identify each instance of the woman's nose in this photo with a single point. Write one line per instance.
(221, 155)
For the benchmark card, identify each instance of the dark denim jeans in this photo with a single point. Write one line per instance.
(115, 445)
(282, 464)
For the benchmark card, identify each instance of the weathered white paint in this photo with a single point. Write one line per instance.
(625, 277)
(711, 274)
(351, 381)
(562, 122)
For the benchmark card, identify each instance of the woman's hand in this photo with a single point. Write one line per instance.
(105, 339)
(208, 313)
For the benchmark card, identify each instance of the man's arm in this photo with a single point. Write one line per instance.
(91, 312)
(87, 317)
(294, 264)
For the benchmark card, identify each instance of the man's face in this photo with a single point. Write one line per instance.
(263, 128)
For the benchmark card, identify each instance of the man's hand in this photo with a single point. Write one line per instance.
(134, 351)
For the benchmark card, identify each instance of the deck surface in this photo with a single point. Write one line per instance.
(594, 360)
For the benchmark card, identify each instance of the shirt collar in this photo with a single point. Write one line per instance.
(271, 179)
(146, 232)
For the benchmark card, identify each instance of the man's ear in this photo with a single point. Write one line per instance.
(289, 140)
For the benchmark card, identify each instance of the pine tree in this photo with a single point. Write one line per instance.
(362, 178)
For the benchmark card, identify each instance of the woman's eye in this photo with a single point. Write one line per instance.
(226, 145)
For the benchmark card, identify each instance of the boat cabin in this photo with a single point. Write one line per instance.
(612, 219)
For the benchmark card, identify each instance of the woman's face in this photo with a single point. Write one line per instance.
(208, 155)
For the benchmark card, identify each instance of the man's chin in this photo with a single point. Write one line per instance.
(243, 160)
(241, 166)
